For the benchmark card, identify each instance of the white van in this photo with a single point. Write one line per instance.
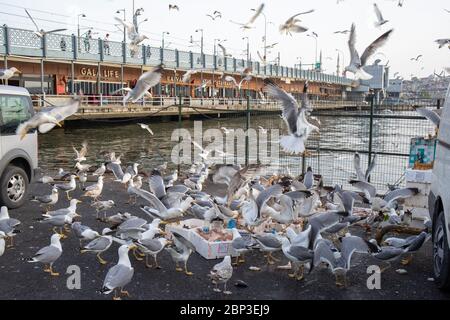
(18, 158)
(439, 201)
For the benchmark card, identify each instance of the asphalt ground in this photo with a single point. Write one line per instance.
(22, 280)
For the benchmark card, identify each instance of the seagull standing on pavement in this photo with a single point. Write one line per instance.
(48, 255)
(221, 273)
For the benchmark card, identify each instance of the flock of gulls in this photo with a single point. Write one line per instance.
(295, 216)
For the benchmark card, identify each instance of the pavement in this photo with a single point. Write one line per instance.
(22, 280)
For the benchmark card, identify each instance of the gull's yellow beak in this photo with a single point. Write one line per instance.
(59, 124)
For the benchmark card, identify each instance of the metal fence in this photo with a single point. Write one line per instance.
(384, 130)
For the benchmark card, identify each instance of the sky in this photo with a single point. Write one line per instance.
(416, 26)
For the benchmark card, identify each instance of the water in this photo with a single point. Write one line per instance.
(336, 132)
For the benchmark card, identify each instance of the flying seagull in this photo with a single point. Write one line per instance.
(252, 20)
(357, 63)
(145, 82)
(443, 42)
(417, 58)
(146, 127)
(46, 119)
(294, 116)
(290, 25)
(174, 7)
(361, 176)
(380, 20)
(430, 115)
(188, 74)
(41, 32)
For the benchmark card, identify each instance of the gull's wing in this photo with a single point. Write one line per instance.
(60, 113)
(185, 242)
(371, 167)
(430, 115)
(99, 244)
(365, 187)
(357, 166)
(351, 245)
(297, 29)
(55, 30)
(298, 14)
(118, 276)
(374, 46)
(400, 194)
(378, 12)
(157, 186)
(116, 169)
(129, 26)
(151, 78)
(354, 56)
(32, 20)
(257, 14)
(323, 253)
(289, 104)
(266, 195)
(151, 198)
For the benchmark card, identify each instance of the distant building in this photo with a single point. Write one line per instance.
(378, 84)
(395, 88)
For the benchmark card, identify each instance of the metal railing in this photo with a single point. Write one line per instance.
(20, 42)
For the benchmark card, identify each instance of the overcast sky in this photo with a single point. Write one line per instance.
(416, 25)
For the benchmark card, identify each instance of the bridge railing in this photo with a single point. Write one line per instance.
(21, 42)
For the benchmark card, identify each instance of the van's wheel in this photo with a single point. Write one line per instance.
(14, 187)
(441, 254)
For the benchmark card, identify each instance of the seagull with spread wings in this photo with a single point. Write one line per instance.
(380, 20)
(291, 24)
(41, 32)
(294, 116)
(249, 24)
(357, 63)
(146, 81)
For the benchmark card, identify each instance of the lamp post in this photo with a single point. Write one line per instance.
(81, 15)
(315, 38)
(202, 59)
(343, 58)
(265, 36)
(164, 33)
(124, 19)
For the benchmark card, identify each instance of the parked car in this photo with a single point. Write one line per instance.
(18, 158)
(439, 201)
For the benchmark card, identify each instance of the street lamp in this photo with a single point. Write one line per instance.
(343, 58)
(265, 36)
(202, 59)
(299, 59)
(164, 33)
(315, 38)
(81, 15)
(124, 19)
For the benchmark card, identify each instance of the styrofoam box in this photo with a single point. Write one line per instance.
(418, 201)
(208, 250)
(420, 176)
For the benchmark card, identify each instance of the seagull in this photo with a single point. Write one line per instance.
(387, 201)
(46, 180)
(240, 245)
(145, 82)
(99, 245)
(173, 7)
(181, 252)
(48, 200)
(443, 42)
(269, 243)
(2, 243)
(357, 63)
(82, 167)
(291, 24)
(132, 33)
(152, 247)
(298, 255)
(221, 273)
(68, 187)
(203, 85)
(294, 116)
(94, 191)
(84, 233)
(252, 20)
(146, 127)
(59, 221)
(187, 76)
(308, 181)
(48, 255)
(380, 19)
(81, 155)
(100, 206)
(64, 211)
(360, 175)
(46, 119)
(100, 171)
(41, 32)
(216, 14)
(8, 225)
(6, 74)
(340, 264)
(417, 58)
(130, 173)
(342, 31)
(120, 275)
